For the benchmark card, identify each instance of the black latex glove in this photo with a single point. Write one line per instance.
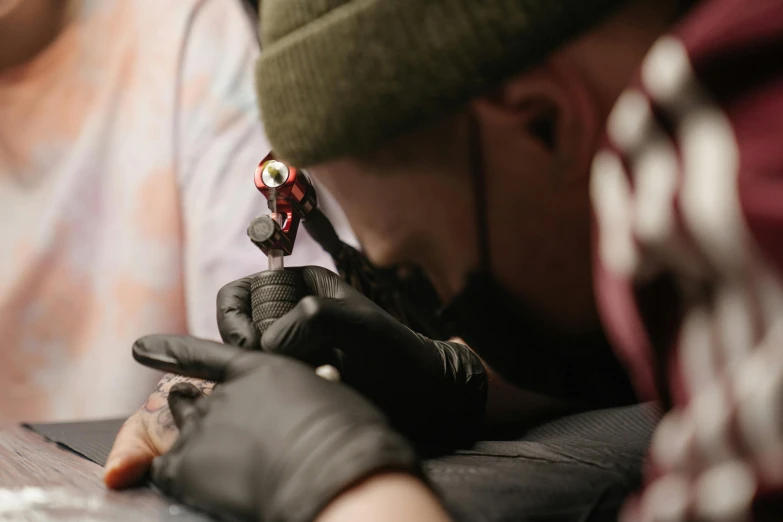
(273, 442)
(432, 391)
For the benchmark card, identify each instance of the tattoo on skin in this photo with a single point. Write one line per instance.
(157, 411)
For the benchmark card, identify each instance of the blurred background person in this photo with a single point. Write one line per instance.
(129, 134)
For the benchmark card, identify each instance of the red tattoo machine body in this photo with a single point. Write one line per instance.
(290, 196)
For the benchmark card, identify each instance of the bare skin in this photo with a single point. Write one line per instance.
(385, 498)
(148, 433)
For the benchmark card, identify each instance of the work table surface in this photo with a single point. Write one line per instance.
(577, 467)
(42, 482)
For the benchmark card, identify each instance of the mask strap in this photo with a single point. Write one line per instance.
(479, 180)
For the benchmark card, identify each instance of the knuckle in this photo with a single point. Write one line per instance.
(311, 307)
(225, 294)
(235, 288)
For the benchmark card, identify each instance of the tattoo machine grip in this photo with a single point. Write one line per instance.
(273, 294)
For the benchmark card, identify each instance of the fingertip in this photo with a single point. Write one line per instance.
(149, 339)
(297, 332)
(126, 470)
(312, 307)
(185, 390)
(303, 324)
(155, 351)
(323, 282)
(141, 348)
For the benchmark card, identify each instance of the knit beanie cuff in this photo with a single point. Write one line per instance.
(342, 80)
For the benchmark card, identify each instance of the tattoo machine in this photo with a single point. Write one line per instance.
(291, 198)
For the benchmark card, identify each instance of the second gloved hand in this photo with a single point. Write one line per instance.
(273, 441)
(434, 392)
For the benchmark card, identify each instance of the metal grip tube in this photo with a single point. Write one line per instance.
(273, 294)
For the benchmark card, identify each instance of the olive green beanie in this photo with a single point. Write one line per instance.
(339, 77)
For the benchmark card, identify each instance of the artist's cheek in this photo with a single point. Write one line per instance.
(8, 6)
(346, 185)
(389, 238)
(378, 208)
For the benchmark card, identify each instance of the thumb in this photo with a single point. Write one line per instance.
(312, 326)
(324, 283)
(182, 402)
(130, 457)
(185, 355)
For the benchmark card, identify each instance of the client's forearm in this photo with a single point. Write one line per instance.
(392, 497)
(507, 403)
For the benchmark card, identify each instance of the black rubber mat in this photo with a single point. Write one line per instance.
(91, 440)
(577, 468)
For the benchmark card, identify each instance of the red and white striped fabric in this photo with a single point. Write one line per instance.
(688, 202)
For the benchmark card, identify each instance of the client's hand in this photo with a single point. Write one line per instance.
(273, 441)
(432, 391)
(148, 433)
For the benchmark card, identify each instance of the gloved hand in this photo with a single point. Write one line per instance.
(434, 392)
(273, 441)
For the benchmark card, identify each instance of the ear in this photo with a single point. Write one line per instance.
(552, 113)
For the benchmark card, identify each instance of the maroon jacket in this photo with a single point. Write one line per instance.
(688, 203)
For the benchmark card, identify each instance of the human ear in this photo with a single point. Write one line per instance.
(551, 114)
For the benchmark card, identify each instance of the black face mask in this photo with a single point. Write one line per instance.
(519, 344)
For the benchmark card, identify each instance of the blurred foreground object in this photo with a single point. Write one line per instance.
(689, 206)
